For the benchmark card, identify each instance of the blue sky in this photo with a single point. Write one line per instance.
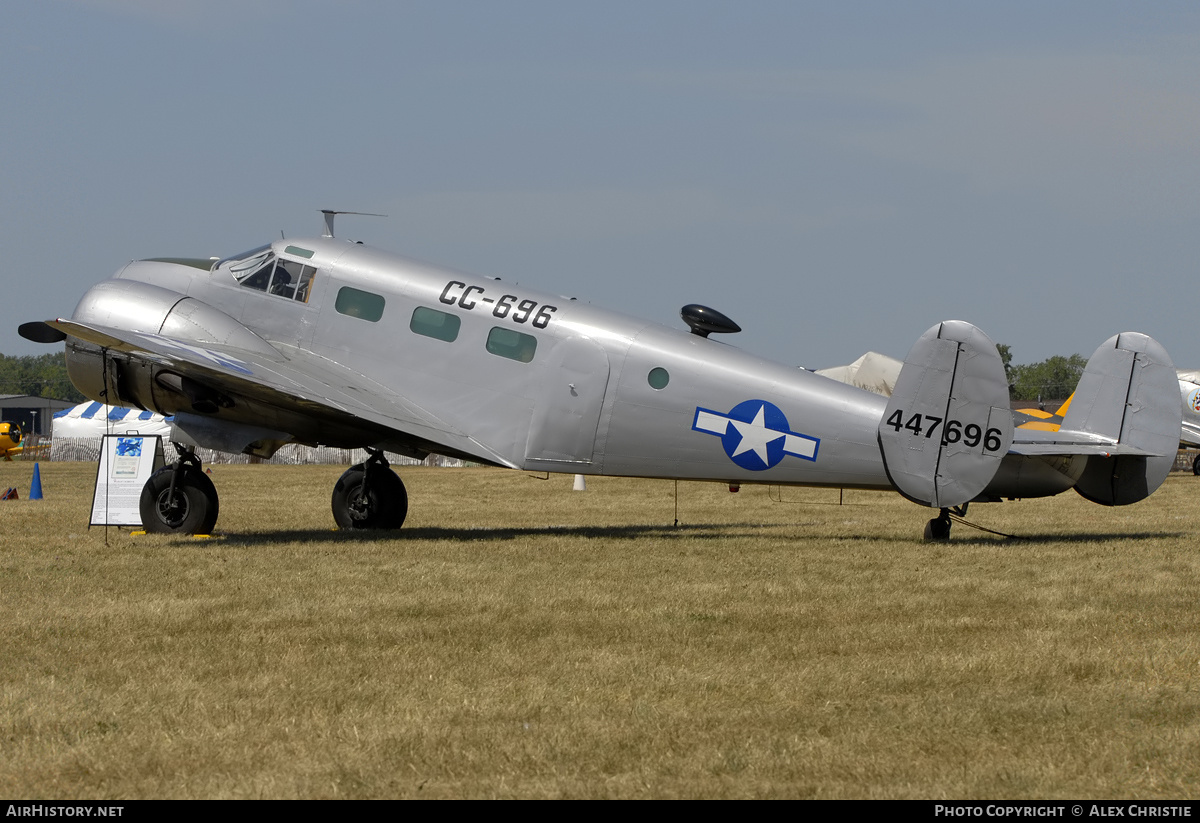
(836, 177)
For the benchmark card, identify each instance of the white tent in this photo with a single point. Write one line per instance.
(873, 371)
(77, 431)
(96, 420)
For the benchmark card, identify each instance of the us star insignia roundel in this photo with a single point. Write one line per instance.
(755, 434)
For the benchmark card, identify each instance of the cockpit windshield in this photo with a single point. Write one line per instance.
(260, 269)
(245, 263)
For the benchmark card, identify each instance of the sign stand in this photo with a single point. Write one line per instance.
(126, 463)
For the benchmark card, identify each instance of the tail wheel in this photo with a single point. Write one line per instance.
(370, 500)
(938, 529)
(191, 508)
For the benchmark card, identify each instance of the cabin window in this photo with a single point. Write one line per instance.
(511, 344)
(658, 378)
(356, 303)
(435, 324)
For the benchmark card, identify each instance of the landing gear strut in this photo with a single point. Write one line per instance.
(938, 529)
(179, 498)
(369, 495)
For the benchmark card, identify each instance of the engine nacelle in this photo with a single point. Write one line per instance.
(132, 305)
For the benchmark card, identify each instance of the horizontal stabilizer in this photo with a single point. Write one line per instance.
(1128, 394)
(948, 424)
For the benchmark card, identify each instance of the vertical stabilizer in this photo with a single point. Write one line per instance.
(1129, 392)
(947, 425)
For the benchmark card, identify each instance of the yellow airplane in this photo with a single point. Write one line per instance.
(1043, 420)
(10, 441)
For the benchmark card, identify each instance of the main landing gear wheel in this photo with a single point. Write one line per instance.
(179, 499)
(370, 496)
(1196, 465)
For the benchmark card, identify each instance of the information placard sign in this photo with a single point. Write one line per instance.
(126, 463)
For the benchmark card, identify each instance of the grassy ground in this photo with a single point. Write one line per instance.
(519, 639)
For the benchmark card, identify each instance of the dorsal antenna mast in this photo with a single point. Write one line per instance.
(330, 213)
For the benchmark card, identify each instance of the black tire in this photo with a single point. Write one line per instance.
(384, 506)
(1196, 465)
(193, 510)
(938, 529)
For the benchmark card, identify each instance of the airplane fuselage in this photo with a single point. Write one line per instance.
(540, 382)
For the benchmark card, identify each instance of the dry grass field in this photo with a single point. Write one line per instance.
(519, 639)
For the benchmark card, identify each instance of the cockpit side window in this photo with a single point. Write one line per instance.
(292, 280)
(258, 278)
(283, 282)
(304, 284)
(283, 278)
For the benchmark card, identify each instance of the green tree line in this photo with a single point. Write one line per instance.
(1054, 378)
(43, 375)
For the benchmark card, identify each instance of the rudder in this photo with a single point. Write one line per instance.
(948, 423)
(1129, 392)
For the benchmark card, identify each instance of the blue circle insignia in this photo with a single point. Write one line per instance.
(755, 437)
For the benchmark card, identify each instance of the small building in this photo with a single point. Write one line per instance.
(34, 414)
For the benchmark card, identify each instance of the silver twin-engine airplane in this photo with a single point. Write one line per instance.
(326, 341)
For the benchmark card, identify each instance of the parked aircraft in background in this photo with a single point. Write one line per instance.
(1189, 390)
(12, 442)
(326, 341)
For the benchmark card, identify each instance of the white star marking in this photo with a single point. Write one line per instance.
(755, 435)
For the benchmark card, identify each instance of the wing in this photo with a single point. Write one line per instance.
(306, 398)
(1190, 434)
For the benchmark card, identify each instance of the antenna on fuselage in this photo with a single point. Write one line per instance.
(329, 214)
